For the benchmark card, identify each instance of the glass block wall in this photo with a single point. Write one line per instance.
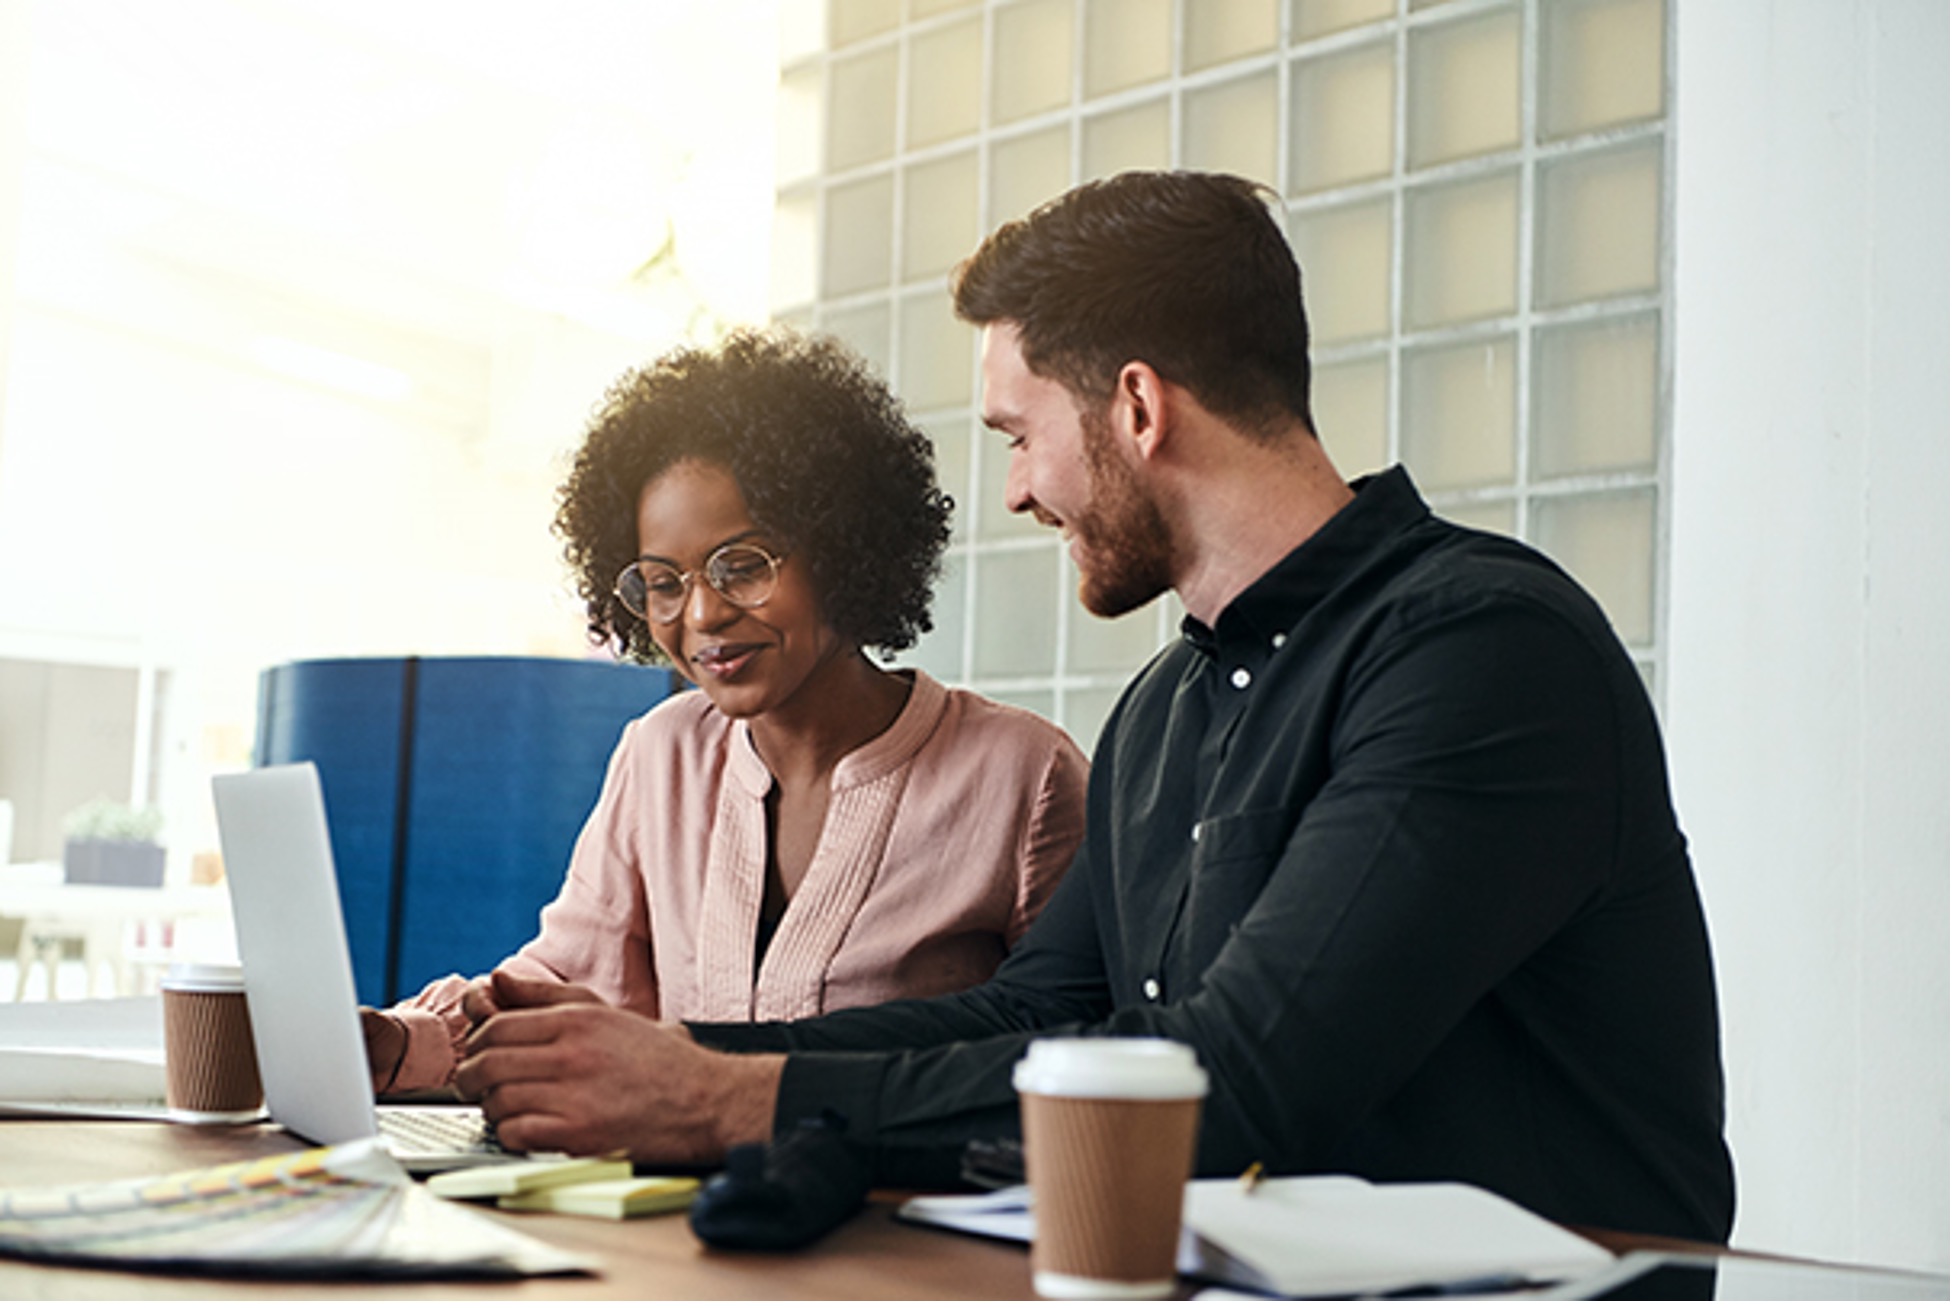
(1476, 189)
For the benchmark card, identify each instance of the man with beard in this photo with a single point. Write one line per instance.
(1385, 836)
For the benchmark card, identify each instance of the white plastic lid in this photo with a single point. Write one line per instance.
(1111, 1067)
(204, 976)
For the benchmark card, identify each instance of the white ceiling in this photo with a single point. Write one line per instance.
(430, 164)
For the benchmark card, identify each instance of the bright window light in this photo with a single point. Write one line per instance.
(342, 372)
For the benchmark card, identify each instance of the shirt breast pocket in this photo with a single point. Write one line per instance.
(1233, 859)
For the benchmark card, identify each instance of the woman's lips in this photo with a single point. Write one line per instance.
(724, 661)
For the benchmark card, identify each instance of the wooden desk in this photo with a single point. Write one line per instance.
(871, 1257)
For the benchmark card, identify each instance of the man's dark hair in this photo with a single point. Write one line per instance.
(829, 466)
(1187, 272)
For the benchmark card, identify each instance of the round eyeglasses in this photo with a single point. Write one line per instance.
(742, 574)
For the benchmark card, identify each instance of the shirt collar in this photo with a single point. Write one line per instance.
(914, 726)
(1383, 505)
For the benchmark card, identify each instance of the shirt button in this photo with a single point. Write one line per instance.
(1241, 678)
(1278, 640)
(1151, 989)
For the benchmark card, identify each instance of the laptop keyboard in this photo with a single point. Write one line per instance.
(420, 1131)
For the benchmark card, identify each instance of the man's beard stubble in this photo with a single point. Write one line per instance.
(1126, 558)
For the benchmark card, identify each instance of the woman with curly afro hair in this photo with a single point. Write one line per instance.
(808, 831)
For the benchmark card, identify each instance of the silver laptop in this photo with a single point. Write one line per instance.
(285, 903)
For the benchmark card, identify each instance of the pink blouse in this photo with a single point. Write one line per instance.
(943, 839)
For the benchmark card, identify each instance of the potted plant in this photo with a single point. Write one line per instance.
(111, 844)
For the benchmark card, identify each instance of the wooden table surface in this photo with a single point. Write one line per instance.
(873, 1256)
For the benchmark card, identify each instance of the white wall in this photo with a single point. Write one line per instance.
(1808, 695)
(13, 129)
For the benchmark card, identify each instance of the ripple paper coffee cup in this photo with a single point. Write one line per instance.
(210, 1063)
(1110, 1128)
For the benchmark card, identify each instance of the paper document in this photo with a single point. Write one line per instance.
(80, 1083)
(89, 1058)
(1001, 1215)
(1313, 1236)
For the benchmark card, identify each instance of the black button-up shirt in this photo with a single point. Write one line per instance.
(1392, 849)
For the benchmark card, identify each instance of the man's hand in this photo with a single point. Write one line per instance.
(553, 1069)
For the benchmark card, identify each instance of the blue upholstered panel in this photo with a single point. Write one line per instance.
(444, 867)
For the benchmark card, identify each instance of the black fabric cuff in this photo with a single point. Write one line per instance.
(848, 1085)
(851, 1085)
(740, 1037)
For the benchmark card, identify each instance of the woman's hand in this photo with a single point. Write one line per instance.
(386, 1038)
(481, 1001)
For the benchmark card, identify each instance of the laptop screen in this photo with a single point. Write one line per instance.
(285, 904)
